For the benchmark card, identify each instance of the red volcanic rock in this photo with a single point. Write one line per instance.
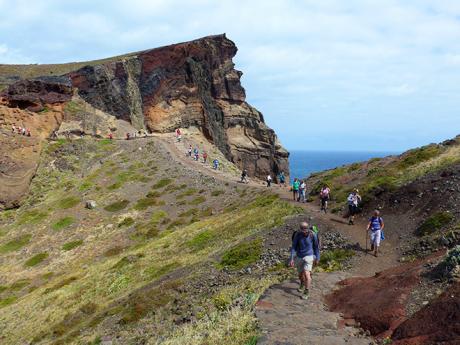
(437, 323)
(33, 94)
(378, 303)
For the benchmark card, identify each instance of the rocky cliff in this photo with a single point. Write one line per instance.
(181, 85)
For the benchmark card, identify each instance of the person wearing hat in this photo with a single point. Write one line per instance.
(305, 248)
(353, 202)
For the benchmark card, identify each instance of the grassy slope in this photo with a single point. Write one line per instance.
(388, 173)
(72, 275)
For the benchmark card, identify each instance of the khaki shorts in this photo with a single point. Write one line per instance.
(304, 264)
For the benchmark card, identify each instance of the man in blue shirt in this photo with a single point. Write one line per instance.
(305, 248)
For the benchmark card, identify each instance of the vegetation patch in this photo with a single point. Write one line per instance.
(190, 212)
(187, 192)
(162, 183)
(117, 206)
(144, 203)
(85, 186)
(32, 217)
(201, 240)
(15, 244)
(416, 156)
(128, 221)
(63, 223)
(7, 301)
(19, 284)
(60, 284)
(217, 192)
(198, 200)
(242, 255)
(157, 216)
(435, 223)
(71, 245)
(176, 223)
(156, 272)
(333, 260)
(68, 202)
(36, 259)
(113, 251)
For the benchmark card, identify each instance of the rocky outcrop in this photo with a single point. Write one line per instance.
(181, 85)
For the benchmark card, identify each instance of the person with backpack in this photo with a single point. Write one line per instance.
(295, 188)
(205, 157)
(353, 201)
(282, 178)
(324, 196)
(189, 151)
(376, 226)
(196, 154)
(215, 164)
(269, 180)
(305, 248)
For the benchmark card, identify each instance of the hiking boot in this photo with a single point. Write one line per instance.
(376, 254)
(372, 247)
(301, 288)
(305, 294)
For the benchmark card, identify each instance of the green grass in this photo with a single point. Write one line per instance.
(187, 192)
(128, 221)
(85, 186)
(36, 259)
(15, 244)
(162, 183)
(434, 223)
(144, 203)
(7, 301)
(68, 202)
(419, 155)
(156, 272)
(217, 192)
(71, 245)
(190, 212)
(117, 206)
(32, 217)
(198, 200)
(63, 223)
(157, 216)
(332, 260)
(19, 284)
(242, 255)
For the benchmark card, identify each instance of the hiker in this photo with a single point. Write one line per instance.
(205, 157)
(28, 132)
(305, 247)
(110, 136)
(302, 192)
(189, 151)
(324, 197)
(353, 201)
(196, 154)
(178, 135)
(282, 178)
(269, 180)
(128, 136)
(215, 164)
(244, 176)
(23, 131)
(376, 226)
(295, 188)
(13, 128)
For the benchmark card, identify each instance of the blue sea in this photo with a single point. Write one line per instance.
(303, 163)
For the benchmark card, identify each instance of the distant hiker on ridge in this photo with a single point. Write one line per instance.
(189, 151)
(353, 201)
(282, 178)
(305, 247)
(215, 164)
(324, 195)
(244, 176)
(205, 157)
(376, 226)
(178, 135)
(269, 180)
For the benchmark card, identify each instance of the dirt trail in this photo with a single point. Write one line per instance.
(283, 317)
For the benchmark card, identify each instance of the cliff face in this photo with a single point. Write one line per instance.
(182, 85)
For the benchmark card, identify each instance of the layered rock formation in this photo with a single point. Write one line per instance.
(182, 85)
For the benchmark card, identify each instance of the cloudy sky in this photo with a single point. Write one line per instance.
(380, 75)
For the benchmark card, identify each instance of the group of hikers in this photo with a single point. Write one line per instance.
(306, 247)
(20, 130)
(195, 154)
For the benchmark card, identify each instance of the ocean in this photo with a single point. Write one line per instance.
(303, 163)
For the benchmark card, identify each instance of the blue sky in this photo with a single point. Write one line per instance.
(379, 75)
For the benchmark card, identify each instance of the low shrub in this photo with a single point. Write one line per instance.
(63, 223)
(162, 183)
(128, 221)
(36, 259)
(434, 223)
(117, 206)
(68, 202)
(333, 260)
(71, 245)
(242, 255)
(15, 244)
